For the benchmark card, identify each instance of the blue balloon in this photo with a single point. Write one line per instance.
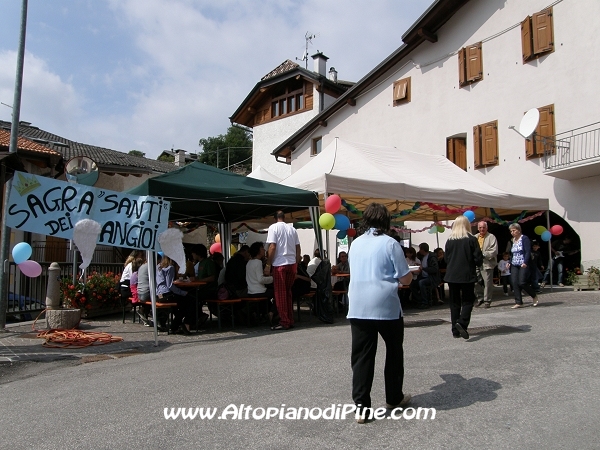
(341, 234)
(546, 236)
(341, 222)
(21, 252)
(469, 215)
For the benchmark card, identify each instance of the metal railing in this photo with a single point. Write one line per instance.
(102, 253)
(27, 296)
(571, 147)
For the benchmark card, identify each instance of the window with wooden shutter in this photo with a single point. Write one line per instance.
(402, 91)
(316, 146)
(470, 64)
(485, 144)
(535, 146)
(537, 35)
(456, 151)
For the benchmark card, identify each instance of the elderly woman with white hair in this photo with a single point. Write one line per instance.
(463, 255)
(519, 265)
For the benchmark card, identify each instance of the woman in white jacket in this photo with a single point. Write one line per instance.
(259, 284)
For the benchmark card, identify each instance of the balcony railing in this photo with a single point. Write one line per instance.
(573, 149)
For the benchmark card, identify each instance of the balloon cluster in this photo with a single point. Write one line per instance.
(469, 215)
(216, 247)
(330, 219)
(21, 253)
(436, 229)
(546, 235)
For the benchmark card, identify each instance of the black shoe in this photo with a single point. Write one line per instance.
(183, 330)
(455, 335)
(479, 303)
(462, 331)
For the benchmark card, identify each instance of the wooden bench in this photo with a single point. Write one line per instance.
(225, 305)
(160, 305)
(254, 300)
(306, 298)
(337, 302)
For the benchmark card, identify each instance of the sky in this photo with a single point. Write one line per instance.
(152, 75)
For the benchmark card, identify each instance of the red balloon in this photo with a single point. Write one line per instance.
(351, 232)
(333, 204)
(556, 230)
(215, 248)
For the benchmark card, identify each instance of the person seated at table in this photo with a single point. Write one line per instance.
(313, 265)
(133, 281)
(167, 292)
(428, 277)
(204, 270)
(411, 258)
(219, 261)
(235, 271)
(342, 267)
(441, 291)
(260, 284)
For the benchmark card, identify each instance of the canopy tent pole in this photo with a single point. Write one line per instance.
(550, 261)
(151, 258)
(314, 218)
(225, 232)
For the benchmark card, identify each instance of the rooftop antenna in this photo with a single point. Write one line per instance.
(308, 37)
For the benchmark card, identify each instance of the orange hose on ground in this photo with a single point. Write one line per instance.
(57, 338)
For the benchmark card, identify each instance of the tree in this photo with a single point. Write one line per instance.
(137, 153)
(166, 158)
(234, 150)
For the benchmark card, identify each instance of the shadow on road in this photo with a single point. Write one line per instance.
(477, 333)
(457, 392)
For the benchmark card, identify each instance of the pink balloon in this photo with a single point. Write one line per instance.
(215, 248)
(556, 230)
(333, 204)
(30, 268)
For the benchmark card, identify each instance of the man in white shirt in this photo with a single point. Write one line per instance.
(283, 257)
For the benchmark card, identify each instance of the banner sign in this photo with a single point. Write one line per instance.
(47, 206)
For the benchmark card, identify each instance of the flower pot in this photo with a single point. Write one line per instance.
(586, 282)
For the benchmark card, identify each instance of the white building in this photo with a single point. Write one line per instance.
(466, 72)
(283, 101)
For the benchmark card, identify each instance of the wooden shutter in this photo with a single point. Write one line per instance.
(450, 149)
(402, 91)
(545, 128)
(474, 62)
(534, 146)
(456, 151)
(477, 146)
(462, 70)
(542, 31)
(489, 147)
(526, 42)
(460, 153)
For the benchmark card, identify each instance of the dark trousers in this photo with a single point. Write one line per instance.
(461, 299)
(505, 280)
(364, 347)
(520, 281)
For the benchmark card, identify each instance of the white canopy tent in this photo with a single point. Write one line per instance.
(260, 173)
(363, 173)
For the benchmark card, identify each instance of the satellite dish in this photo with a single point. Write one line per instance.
(529, 122)
(82, 170)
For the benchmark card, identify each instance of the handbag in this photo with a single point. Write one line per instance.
(224, 292)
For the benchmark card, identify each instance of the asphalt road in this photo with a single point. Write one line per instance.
(527, 378)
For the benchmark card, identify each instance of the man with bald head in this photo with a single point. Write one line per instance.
(489, 248)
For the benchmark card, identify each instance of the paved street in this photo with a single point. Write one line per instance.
(527, 378)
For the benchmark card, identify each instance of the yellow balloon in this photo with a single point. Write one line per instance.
(232, 250)
(327, 221)
(217, 238)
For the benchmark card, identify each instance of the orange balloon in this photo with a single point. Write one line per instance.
(217, 238)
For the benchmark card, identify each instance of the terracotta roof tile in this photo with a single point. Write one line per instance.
(104, 157)
(25, 144)
(285, 66)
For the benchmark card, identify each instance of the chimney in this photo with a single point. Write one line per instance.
(333, 74)
(180, 158)
(320, 66)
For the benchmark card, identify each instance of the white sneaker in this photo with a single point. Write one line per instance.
(405, 401)
(517, 305)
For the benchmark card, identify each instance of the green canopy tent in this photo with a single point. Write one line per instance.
(201, 193)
